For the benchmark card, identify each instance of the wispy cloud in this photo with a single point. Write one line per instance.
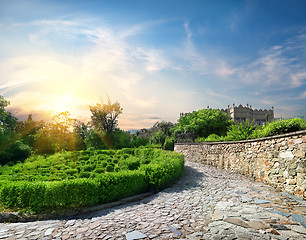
(111, 65)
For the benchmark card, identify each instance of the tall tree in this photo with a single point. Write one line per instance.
(105, 116)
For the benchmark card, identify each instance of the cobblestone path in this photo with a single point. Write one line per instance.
(207, 203)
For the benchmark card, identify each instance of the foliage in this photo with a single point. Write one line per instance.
(240, 131)
(204, 122)
(169, 143)
(210, 138)
(81, 178)
(280, 127)
(105, 116)
(247, 130)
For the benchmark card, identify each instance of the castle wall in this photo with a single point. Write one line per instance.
(278, 161)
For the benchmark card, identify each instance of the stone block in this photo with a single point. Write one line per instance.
(291, 181)
(286, 155)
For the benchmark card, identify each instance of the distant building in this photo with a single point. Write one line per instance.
(241, 114)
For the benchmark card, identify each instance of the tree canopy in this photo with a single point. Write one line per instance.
(105, 116)
(204, 122)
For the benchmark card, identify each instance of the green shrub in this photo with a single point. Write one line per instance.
(29, 186)
(84, 174)
(71, 171)
(169, 144)
(99, 170)
(88, 168)
(132, 163)
(109, 168)
(281, 127)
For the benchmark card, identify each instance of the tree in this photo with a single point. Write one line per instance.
(11, 148)
(105, 116)
(7, 120)
(104, 120)
(203, 122)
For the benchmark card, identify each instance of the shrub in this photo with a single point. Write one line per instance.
(84, 174)
(49, 192)
(169, 144)
(71, 171)
(99, 170)
(132, 163)
(281, 127)
(88, 168)
(109, 168)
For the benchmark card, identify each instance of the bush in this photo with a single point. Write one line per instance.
(281, 127)
(84, 175)
(71, 171)
(45, 193)
(99, 170)
(132, 163)
(169, 143)
(240, 131)
(109, 168)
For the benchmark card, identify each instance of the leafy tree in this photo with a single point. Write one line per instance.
(105, 116)
(27, 130)
(61, 134)
(93, 140)
(11, 149)
(203, 122)
(7, 120)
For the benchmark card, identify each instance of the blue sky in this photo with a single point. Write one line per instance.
(157, 58)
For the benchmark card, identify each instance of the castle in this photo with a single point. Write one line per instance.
(241, 114)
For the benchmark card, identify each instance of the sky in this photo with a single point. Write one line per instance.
(156, 58)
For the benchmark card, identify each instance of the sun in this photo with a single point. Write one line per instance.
(63, 103)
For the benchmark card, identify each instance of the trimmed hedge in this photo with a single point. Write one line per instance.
(45, 196)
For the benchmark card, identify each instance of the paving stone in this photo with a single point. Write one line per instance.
(237, 221)
(279, 227)
(49, 231)
(217, 216)
(246, 199)
(277, 212)
(261, 201)
(6, 236)
(257, 225)
(175, 231)
(298, 229)
(135, 235)
(300, 219)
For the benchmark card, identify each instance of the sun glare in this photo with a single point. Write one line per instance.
(63, 103)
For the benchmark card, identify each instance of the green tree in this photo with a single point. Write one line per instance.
(105, 116)
(104, 120)
(203, 122)
(11, 148)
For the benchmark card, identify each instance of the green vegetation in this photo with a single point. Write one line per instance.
(76, 179)
(247, 130)
(202, 123)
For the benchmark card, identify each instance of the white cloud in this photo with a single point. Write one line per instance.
(110, 66)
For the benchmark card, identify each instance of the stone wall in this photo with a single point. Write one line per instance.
(278, 161)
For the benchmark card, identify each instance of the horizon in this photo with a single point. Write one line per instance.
(157, 59)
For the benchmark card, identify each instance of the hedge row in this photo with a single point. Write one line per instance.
(163, 170)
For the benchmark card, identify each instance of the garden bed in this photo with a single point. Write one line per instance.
(72, 180)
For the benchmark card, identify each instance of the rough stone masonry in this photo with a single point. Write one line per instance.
(278, 161)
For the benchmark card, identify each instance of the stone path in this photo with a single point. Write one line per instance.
(207, 203)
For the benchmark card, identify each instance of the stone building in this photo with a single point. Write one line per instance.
(241, 114)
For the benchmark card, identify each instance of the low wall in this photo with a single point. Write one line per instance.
(278, 161)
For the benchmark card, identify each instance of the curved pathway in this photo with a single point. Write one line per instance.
(207, 203)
